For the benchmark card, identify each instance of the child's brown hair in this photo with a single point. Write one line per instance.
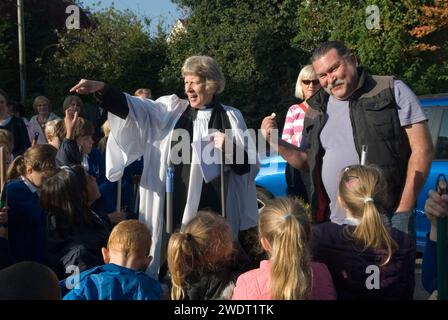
(203, 245)
(83, 128)
(41, 157)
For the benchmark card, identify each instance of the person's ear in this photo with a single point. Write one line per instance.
(29, 170)
(106, 254)
(265, 244)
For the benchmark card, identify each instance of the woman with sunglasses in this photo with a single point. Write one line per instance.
(307, 85)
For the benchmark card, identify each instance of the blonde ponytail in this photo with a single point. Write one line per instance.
(362, 190)
(285, 224)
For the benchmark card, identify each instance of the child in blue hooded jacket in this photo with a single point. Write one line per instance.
(123, 276)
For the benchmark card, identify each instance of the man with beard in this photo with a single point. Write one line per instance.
(355, 111)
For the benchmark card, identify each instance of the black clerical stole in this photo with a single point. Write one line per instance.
(210, 195)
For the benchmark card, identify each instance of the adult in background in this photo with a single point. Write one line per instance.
(143, 127)
(36, 125)
(14, 125)
(307, 84)
(73, 104)
(143, 93)
(353, 110)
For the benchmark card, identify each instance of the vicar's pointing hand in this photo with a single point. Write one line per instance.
(87, 86)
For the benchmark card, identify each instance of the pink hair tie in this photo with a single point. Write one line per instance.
(351, 181)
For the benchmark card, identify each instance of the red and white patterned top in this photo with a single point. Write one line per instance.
(292, 131)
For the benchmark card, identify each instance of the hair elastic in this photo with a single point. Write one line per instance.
(69, 170)
(368, 199)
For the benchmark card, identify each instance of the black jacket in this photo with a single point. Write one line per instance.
(78, 246)
(375, 122)
(68, 153)
(348, 264)
(21, 139)
(6, 258)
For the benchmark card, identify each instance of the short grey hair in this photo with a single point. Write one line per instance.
(339, 46)
(207, 68)
(307, 73)
(41, 99)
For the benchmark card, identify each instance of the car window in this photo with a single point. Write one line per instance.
(434, 115)
(442, 136)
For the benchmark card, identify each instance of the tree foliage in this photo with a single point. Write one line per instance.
(251, 41)
(41, 18)
(397, 47)
(116, 49)
(261, 45)
(111, 45)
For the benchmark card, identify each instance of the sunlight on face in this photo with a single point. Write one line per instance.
(336, 74)
(196, 91)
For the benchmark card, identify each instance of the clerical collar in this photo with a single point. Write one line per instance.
(209, 105)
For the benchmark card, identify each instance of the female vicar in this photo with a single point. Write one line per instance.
(163, 131)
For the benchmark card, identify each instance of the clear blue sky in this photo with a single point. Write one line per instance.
(157, 10)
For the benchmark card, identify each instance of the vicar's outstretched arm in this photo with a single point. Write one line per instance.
(85, 86)
(110, 98)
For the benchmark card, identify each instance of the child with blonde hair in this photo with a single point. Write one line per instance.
(123, 276)
(367, 258)
(55, 132)
(285, 232)
(202, 259)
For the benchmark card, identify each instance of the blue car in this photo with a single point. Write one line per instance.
(271, 180)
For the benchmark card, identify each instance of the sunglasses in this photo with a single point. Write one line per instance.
(307, 82)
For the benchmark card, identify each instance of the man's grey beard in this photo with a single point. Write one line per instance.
(330, 86)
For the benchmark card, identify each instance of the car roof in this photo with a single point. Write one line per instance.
(434, 100)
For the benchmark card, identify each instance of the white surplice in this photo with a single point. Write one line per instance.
(147, 132)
